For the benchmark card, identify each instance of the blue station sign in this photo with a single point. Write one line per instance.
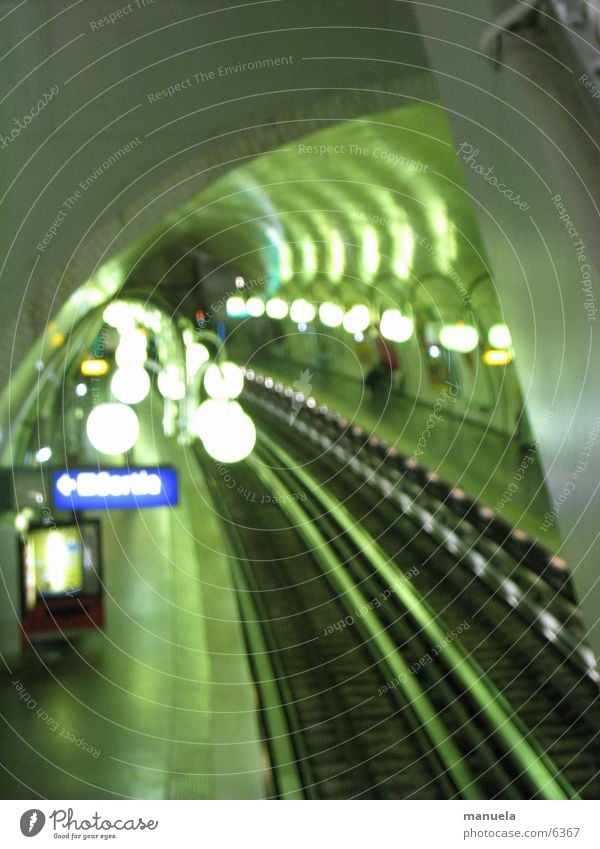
(114, 489)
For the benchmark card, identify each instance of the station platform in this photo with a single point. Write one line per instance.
(477, 459)
(159, 705)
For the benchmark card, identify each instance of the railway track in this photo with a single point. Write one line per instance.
(344, 740)
(516, 644)
(364, 692)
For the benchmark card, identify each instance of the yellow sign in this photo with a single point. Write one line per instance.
(94, 368)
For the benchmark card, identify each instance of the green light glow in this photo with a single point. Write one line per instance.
(337, 257)
(404, 248)
(286, 266)
(109, 278)
(445, 232)
(370, 251)
(309, 259)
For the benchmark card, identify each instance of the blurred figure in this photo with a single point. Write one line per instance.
(381, 376)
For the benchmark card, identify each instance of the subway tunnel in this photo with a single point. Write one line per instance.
(299, 411)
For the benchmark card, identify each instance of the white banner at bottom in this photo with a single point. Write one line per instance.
(296, 825)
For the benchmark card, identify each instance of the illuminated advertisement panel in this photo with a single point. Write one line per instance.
(60, 560)
(61, 578)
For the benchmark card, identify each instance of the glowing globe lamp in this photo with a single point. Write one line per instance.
(236, 307)
(255, 307)
(499, 336)
(459, 337)
(170, 383)
(120, 315)
(132, 349)
(357, 319)
(112, 428)
(331, 315)
(195, 357)
(223, 382)
(207, 413)
(227, 432)
(130, 384)
(395, 326)
(276, 308)
(302, 312)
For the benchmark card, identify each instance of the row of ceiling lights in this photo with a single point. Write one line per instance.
(393, 324)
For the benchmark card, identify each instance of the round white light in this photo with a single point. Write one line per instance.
(120, 315)
(395, 326)
(459, 337)
(227, 432)
(224, 381)
(152, 319)
(81, 390)
(357, 319)
(43, 454)
(131, 350)
(276, 308)
(331, 315)
(499, 336)
(112, 428)
(302, 312)
(236, 307)
(207, 414)
(170, 383)
(239, 282)
(255, 307)
(130, 384)
(195, 357)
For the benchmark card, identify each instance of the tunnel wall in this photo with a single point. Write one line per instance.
(527, 116)
(111, 150)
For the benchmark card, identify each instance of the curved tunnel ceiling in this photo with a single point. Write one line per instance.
(372, 207)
